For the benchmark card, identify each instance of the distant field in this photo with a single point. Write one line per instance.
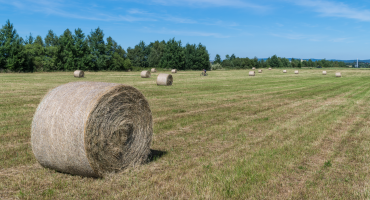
(227, 135)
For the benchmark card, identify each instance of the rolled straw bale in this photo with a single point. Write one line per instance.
(269, 68)
(260, 71)
(296, 72)
(174, 71)
(284, 71)
(323, 72)
(251, 73)
(79, 73)
(153, 70)
(338, 74)
(253, 68)
(145, 74)
(164, 79)
(92, 128)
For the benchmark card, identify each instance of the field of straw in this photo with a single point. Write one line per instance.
(228, 135)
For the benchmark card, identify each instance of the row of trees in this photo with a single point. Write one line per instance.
(274, 62)
(75, 50)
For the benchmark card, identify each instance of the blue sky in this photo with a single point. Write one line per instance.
(288, 28)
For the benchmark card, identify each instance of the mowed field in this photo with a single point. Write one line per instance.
(227, 135)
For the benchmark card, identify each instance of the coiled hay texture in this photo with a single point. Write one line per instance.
(145, 74)
(296, 72)
(153, 70)
(269, 68)
(253, 68)
(284, 71)
(164, 79)
(251, 73)
(92, 128)
(174, 71)
(260, 71)
(79, 73)
(323, 72)
(338, 74)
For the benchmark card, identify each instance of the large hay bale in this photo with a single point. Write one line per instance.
(164, 79)
(260, 71)
(270, 68)
(251, 73)
(253, 68)
(153, 70)
(284, 71)
(92, 128)
(338, 74)
(79, 74)
(145, 74)
(323, 72)
(174, 71)
(296, 72)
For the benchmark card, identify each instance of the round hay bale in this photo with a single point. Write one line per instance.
(323, 72)
(260, 71)
(338, 74)
(251, 73)
(145, 74)
(284, 71)
(79, 74)
(92, 128)
(153, 70)
(253, 68)
(174, 71)
(296, 72)
(269, 68)
(164, 79)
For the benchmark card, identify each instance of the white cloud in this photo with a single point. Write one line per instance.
(335, 9)
(186, 33)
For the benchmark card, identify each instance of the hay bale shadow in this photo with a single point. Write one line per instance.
(155, 155)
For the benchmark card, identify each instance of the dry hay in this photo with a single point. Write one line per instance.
(92, 128)
(174, 71)
(145, 74)
(79, 74)
(338, 74)
(296, 72)
(153, 70)
(323, 72)
(284, 71)
(260, 71)
(253, 68)
(251, 73)
(164, 79)
(269, 68)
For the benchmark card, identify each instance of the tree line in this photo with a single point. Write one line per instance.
(74, 50)
(274, 62)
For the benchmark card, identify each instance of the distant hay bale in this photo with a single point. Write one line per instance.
(145, 74)
(153, 70)
(253, 68)
(284, 71)
(92, 128)
(260, 71)
(174, 71)
(164, 79)
(323, 72)
(296, 72)
(338, 74)
(270, 68)
(79, 74)
(251, 73)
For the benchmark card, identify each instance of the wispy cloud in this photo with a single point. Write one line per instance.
(335, 9)
(185, 33)
(208, 3)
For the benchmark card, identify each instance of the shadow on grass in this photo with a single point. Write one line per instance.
(156, 154)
